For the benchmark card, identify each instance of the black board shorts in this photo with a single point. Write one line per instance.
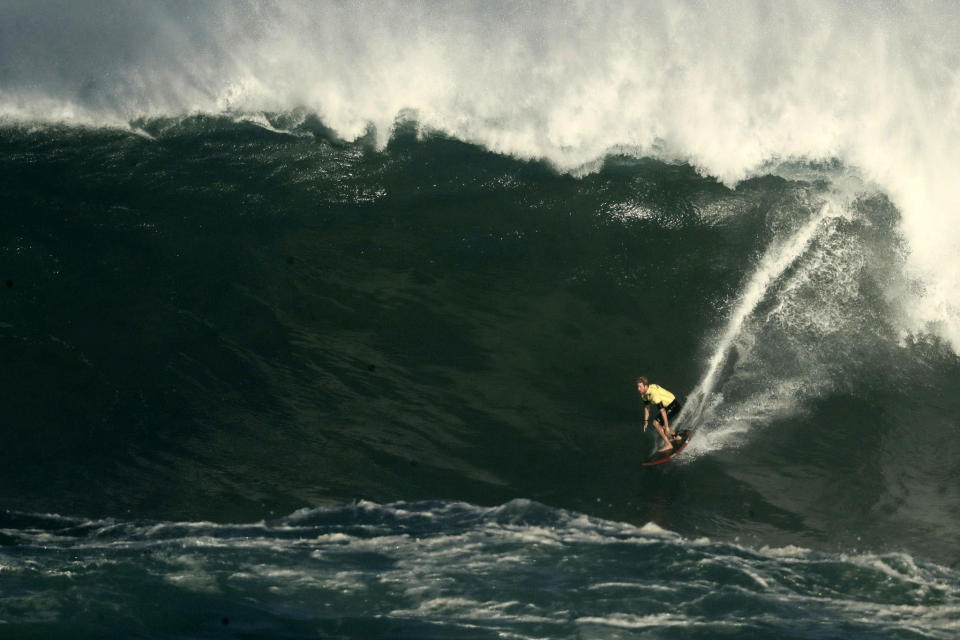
(672, 410)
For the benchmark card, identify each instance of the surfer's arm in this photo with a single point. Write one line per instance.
(646, 414)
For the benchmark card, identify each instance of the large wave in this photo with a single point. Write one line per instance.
(223, 321)
(729, 88)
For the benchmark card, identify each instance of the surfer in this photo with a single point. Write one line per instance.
(667, 407)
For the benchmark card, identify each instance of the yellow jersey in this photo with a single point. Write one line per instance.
(658, 395)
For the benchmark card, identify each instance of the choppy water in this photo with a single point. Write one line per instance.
(450, 570)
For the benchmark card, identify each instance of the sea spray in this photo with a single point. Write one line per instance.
(728, 88)
(778, 257)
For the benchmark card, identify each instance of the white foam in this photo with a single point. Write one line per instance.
(729, 87)
(261, 120)
(653, 529)
(189, 572)
(466, 608)
(620, 586)
(731, 426)
(657, 620)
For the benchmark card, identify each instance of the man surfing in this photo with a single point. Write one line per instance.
(667, 406)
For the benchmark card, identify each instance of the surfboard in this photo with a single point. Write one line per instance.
(666, 456)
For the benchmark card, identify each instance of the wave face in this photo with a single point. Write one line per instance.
(226, 319)
(450, 570)
(728, 89)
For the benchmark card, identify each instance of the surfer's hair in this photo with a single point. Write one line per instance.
(642, 380)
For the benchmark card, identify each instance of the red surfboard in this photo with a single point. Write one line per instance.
(666, 456)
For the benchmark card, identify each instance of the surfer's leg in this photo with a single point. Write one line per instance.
(670, 434)
(672, 410)
(663, 434)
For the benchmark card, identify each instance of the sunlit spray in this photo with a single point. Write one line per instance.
(728, 88)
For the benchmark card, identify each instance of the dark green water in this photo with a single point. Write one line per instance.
(216, 322)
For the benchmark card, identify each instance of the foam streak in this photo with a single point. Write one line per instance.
(776, 260)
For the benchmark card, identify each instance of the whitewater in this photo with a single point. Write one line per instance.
(730, 89)
(520, 570)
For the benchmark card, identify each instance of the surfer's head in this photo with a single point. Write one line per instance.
(642, 384)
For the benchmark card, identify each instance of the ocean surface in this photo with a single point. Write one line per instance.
(324, 320)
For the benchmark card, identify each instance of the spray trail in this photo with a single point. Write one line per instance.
(779, 256)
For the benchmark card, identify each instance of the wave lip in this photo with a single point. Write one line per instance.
(729, 90)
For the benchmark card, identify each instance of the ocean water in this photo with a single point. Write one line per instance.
(323, 320)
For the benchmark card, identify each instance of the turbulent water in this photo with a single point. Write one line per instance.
(324, 320)
(452, 570)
